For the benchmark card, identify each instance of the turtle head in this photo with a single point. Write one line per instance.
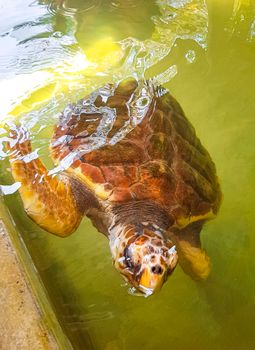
(145, 259)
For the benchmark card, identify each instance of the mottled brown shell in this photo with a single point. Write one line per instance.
(132, 141)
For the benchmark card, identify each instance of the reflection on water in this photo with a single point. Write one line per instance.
(242, 21)
(58, 52)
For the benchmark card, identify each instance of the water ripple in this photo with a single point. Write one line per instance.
(124, 4)
(71, 7)
(43, 52)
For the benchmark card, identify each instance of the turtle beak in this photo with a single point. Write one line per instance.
(150, 282)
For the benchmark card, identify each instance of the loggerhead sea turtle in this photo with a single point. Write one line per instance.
(127, 158)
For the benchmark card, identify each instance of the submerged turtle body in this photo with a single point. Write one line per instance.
(131, 161)
(133, 143)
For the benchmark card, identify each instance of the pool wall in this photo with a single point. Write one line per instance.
(27, 319)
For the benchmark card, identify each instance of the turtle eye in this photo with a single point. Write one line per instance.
(128, 260)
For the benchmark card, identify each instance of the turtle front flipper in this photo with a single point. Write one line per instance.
(48, 201)
(192, 258)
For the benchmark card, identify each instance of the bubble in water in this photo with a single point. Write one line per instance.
(190, 56)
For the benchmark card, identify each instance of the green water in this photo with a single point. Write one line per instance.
(204, 52)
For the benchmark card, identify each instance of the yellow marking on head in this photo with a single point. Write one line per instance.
(150, 282)
(186, 220)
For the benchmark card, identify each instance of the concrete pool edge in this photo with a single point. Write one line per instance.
(26, 309)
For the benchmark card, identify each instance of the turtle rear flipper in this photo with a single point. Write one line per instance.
(193, 259)
(48, 201)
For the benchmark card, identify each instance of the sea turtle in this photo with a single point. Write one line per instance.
(127, 157)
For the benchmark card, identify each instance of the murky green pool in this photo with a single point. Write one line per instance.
(53, 53)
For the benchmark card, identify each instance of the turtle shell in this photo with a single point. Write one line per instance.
(132, 141)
